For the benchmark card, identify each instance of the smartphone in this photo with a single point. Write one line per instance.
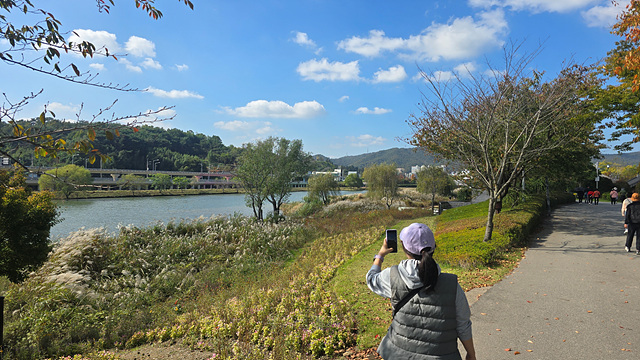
(392, 239)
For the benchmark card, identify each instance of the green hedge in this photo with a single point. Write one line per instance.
(461, 230)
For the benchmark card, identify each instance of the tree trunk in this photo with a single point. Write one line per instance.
(489, 228)
(546, 182)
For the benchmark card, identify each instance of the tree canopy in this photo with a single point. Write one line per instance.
(382, 182)
(65, 180)
(502, 124)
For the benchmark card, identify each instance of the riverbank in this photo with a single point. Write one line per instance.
(109, 194)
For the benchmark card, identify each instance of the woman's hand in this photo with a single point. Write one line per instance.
(384, 250)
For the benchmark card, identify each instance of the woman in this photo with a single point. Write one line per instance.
(430, 308)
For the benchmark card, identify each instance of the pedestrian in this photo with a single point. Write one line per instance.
(625, 203)
(430, 309)
(590, 196)
(613, 194)
(632, 219)
(580, 193)
(596, 197)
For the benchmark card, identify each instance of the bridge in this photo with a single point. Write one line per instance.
(108, 179)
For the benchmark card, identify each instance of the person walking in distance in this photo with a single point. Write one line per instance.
(632, 219)
(596, 197)
(625, 203)
(613, 194)
(430, 309)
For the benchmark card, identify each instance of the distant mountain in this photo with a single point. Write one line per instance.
(402, 157)
(632, 158)
(408, 157)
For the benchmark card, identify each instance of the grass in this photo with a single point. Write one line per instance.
(237, 288)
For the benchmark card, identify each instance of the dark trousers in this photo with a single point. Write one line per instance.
(613, 201)
(634, 229)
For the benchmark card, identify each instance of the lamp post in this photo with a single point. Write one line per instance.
(155, 162)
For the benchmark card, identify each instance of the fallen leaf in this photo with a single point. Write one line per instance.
(589, 311)
(498, 330)
(516, 353)
(483, 313)
(507, 349)
(530, 350)
(529, 301)
(557, 318)
(530, 341)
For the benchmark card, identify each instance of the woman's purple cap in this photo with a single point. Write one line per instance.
(416, 237)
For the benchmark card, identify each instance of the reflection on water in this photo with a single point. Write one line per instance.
(145, 211)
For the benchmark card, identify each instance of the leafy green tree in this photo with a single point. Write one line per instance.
(353, 180)
(501, 124)
(25, 27)
(287, 161)
(65, 180)
(25, 222)
(161, 181)
(323, 186)
(181, 182)
(432, 180)
(132, 182)
(253, 172)
(382, 182)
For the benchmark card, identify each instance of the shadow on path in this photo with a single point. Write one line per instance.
(575, 294)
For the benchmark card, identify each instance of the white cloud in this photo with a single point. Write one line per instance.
(465, 69)
(603, 16)
(372, 46)
(278, 109)
(97, 66)
(366, 140)
(394, 74)
(140, 47)
(303, 39)
(64, 112)
(441, 76)
(130, 66)
(100, 39)
(162, 119)
(249, 130)
(536, 6)
(343, 98)
(173, 94)
(149, 63)
(461, 38)
(318, 70)
(375, 111)
(235, 125)
(182, 67)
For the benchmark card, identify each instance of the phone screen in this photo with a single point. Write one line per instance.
(392, 239)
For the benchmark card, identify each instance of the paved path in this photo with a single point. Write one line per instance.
(575, 295)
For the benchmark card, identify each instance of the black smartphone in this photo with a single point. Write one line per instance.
(392, 239)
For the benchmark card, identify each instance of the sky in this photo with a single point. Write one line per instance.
(342, 76)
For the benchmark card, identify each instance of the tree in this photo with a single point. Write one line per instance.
(45, 34)
(161, 181)
(266, 169)
(499, 125)
(25, 222)
(323, 186)
(132, 182)
(181, 182)
(287, 162)
(627, 64)
(66, 180)
(353, 180)
(432, 180)
(382, 182)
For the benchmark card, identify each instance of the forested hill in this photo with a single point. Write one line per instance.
(170, 150)
(632, 158)
(402, 157)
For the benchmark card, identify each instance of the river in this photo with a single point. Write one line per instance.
(144, 211)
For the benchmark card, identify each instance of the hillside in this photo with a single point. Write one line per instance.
(632, 158)
(402, 157)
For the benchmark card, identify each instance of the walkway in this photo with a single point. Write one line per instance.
(575, 295)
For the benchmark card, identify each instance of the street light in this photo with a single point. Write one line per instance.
(156, 161)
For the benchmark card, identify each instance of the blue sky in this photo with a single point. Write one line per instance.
(342, 76)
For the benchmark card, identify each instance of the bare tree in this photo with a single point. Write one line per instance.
(498, 124)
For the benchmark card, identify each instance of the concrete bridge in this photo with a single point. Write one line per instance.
(107, 179)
